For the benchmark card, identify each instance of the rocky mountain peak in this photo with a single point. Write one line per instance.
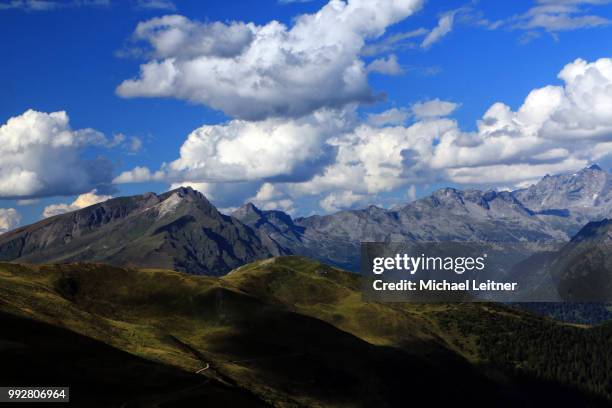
(247, 210)
(446, 196)
(186, 193)
(585, 190)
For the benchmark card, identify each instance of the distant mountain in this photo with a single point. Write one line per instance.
(553, 210)
(569, 201)
(276, 229)
(446, 215)
(181, 230)
(178, 230)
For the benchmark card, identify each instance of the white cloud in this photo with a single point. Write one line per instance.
(558, 128)
(372, 160)
(393, 116)
(559, 16)
(239, 150)
(387, 66)
(433, 108)
(252, 72)
(340, 200)
(82, 201)
(397, 41)
(553, 17)
(514, 173)
(269, 197)
(138, 175)
(132, 144)
(9, 219)
(42, 156)
(445, 26)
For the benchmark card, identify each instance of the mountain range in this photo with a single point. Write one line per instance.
(182, 230)
(549, 212)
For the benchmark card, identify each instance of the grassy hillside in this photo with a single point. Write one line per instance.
(292, 332)
(36, 353)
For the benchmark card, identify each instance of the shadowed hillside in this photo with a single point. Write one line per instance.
(35, 353)
(292, 332)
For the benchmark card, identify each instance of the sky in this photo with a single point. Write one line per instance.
(302, 106)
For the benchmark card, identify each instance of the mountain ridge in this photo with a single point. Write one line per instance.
(179, 230)
(182, 230)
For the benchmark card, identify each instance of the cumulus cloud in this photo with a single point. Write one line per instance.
(43, 156)
(340, 200)
(138, 175)
(253, 72)
(445, 26)
(9, 219)
(387, 66)
(393, 116)
(557, 128)
(269, 197)
(132, 144)
(433, 108)
(372, 160)
(238, 151)
(82, 201)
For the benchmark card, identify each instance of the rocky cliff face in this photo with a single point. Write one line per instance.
(177, 230)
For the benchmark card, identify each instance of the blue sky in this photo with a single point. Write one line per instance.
(72, 56)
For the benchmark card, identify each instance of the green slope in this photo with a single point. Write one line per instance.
(38, 354)
(292, 332)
